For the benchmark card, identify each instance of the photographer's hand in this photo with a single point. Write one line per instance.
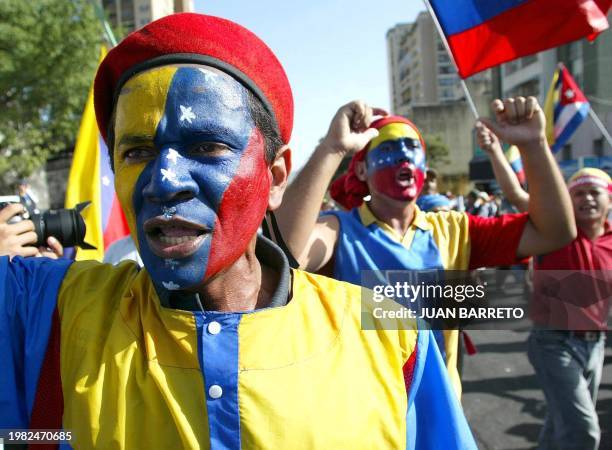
(54, 250)
(16, 239)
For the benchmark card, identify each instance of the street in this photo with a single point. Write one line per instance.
(503, 402)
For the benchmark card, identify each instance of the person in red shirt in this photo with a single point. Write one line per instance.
(572, 287)
(570, 304)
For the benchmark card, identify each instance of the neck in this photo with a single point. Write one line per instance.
(593, 228)
(246, 285)
(397, 214)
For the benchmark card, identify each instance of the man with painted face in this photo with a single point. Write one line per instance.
(215, 343)
(390, 232)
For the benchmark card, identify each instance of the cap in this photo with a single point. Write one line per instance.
(191, 38)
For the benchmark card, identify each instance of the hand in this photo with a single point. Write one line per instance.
(487, 140)
(16, 239)
(348, 132)
(54, 250)
(519, 121)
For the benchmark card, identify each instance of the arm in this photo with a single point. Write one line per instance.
(551, 223)
(504, 174)
(310, 238)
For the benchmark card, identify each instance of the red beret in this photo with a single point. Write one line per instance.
(200, 39)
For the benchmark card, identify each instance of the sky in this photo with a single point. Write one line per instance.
(333, 51)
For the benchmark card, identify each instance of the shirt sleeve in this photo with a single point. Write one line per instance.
(28, 299)
(435, 419)
(494, 240)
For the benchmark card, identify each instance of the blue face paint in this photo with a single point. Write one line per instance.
(200, 139)
(396, 168)
(393, 152)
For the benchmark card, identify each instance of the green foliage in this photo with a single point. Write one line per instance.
(437, 150)
(48, 55)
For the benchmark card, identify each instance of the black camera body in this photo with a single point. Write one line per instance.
(66, 225)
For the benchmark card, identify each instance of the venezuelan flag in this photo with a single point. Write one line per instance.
(514, 158)
(565, 108)
(486, 33)
(91, 179)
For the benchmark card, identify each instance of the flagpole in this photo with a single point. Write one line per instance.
(600, 126)
(110, 36)
(468, 96)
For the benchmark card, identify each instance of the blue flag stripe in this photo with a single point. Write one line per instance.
(456, 16)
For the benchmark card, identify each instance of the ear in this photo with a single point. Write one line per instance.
(361, 171)
(279, 169)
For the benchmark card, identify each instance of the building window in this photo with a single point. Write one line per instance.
(598, 147)
(446, 69)
(511, 67)
(528, 60)
(567, 152)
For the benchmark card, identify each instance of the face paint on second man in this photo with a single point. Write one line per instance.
(190, 171)
(396, 162)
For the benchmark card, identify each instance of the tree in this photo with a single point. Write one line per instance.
(48, 55)
(437, 150)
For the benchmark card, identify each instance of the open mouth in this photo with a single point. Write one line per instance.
(174, 237)
(588, 208)
(404, 177)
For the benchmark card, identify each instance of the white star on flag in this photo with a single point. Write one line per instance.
(168, 174)
(186, 114)
(170, 285)
(173, 155)
(209, 76)
(569, 94)
(105, 181)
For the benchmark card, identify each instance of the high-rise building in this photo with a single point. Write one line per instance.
(420, 70)
(132, 14)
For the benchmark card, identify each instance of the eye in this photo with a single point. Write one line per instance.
(209, 149)
(138, 154)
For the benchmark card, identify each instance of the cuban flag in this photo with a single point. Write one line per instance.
(91, 179)
(566, 108)
(486, 33)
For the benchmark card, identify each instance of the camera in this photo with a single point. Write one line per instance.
(66, 225)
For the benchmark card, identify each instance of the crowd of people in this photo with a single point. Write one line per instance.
(218, 341)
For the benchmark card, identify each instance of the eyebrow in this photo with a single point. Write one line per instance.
(135, 139)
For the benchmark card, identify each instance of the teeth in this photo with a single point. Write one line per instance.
(175, 240)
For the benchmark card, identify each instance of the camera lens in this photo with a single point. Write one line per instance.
(66, 225)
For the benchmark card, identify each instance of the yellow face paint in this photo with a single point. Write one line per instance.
(392, 132)
(139, 108)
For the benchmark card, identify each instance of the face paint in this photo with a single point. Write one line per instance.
(190, 171)
(396, 162)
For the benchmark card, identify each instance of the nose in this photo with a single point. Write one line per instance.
(170, 179)
(406, 153)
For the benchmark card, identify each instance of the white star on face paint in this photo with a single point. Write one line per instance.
(209, 76)
(168, 175)
(172, 263)
(168, 212)
(186, 114)
(170, 285)
(105, 180)
(173, 155)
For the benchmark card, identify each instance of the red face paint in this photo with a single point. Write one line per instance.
(400, 181)
(242, 208)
